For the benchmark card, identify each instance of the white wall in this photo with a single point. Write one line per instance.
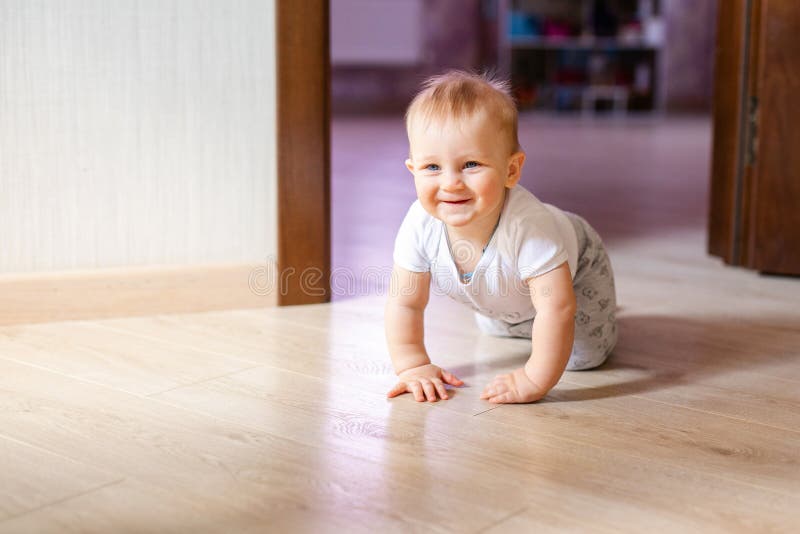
(136, 132)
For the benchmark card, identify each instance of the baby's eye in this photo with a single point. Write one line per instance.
(471, 164)
(431, 167)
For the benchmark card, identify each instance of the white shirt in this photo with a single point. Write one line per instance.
(531, 238)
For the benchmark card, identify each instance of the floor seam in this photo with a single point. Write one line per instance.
(55, 453)
(502, 520)
(198, 382)
(62, 500)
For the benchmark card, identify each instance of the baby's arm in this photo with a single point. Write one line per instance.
(408, 296)
(552, 338)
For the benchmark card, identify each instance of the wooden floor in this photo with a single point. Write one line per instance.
(276, 420)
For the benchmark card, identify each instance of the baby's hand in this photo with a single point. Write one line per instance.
(426, 378)
(514, 387)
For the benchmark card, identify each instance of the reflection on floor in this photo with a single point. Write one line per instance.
(276, 420)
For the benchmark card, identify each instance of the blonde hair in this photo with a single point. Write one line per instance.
(457, 94)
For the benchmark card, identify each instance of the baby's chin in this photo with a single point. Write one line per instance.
(455, 220)
(451, 216)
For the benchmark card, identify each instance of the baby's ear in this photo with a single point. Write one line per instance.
(410, 165)
(515, 163)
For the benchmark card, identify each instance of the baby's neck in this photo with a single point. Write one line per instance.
(480, 232)
(478, 236)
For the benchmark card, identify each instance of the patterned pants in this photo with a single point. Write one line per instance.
(595, 320)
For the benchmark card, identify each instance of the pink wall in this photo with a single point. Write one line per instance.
(450, 30)
(690, 39)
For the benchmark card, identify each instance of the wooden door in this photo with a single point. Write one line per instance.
(755, 190)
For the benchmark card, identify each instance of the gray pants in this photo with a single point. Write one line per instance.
(595, 320)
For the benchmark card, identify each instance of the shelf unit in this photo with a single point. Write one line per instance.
(550, 50)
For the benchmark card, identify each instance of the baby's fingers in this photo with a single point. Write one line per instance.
(495, 389)
(416, 389)
(398, 388)
(430, 391)
(451, 379)
(440, 387)
(502, 398)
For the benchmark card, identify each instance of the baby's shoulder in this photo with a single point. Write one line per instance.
(528, 216)
(530, 220)
(522, 203)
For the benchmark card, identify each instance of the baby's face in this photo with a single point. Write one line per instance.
(461, 168)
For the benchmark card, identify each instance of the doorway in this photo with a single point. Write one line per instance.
(633, 174)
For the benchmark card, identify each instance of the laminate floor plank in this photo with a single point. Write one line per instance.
(770, 402)
(738, 450)
(133, 506)
(85, 350)
(32, 478)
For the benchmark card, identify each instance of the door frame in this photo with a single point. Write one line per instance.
(303, 151)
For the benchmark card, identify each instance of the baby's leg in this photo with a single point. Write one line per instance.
(595, 320)
(498, 327)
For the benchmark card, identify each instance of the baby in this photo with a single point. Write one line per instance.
(491, 244)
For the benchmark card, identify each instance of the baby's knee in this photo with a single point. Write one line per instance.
(588, 352)
(585, 359)
(584, 362)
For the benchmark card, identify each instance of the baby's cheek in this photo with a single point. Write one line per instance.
(426, 194)
(427, 201)
(428, 206)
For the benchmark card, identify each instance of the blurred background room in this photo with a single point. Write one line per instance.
(615, 99)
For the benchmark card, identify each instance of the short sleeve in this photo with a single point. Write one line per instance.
(540, 247)
(409, 245)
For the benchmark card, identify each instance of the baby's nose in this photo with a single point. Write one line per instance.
(451, 180)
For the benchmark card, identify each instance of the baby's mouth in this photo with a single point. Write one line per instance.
(456, 201)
